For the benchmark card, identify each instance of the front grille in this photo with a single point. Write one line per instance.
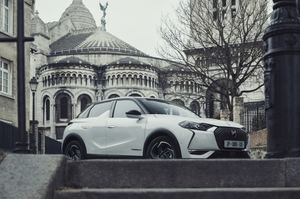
(228, 133)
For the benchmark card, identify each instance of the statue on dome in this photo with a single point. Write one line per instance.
(103, 8)
(103, 21)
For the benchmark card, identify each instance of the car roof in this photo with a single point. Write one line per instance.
(134, 98)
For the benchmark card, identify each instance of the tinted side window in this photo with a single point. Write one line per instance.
(99, 109)
(124, 106)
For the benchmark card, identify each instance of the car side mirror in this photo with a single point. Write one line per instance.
(134, 114)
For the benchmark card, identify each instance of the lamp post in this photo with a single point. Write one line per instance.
(282, 81)
(33, 87)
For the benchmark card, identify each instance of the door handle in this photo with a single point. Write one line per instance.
(110, 127)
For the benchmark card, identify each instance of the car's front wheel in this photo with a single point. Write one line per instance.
(75, 150)
(162, 147)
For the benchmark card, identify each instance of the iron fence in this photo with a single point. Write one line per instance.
(253, 116)
(9, 133)
(46, 144)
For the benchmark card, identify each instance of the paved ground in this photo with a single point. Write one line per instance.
(36, 176)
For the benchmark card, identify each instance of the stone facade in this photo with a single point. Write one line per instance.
(8, 54)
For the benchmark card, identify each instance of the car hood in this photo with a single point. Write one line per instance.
(214, 122)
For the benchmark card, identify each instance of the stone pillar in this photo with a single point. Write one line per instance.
(238, 106)
(53, 121)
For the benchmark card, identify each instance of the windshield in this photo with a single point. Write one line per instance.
(166, 108)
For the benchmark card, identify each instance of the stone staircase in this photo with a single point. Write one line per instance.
(181, 179)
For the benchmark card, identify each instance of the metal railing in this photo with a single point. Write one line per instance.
(253, 116)
(9, 133)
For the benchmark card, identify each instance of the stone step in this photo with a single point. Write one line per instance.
(188, 193)
(182, 173)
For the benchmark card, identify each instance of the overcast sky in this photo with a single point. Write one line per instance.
(136, 22)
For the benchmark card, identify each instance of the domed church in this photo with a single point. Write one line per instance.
(77, 63)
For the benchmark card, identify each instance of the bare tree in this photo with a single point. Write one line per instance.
(220, 41)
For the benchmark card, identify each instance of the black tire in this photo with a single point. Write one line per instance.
(75, 151)
(162, 147)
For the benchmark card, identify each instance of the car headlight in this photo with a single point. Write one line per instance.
(195, 125)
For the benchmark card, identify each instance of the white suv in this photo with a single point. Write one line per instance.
(150, 128)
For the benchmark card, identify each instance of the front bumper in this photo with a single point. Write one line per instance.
(220, 154)
(210, 143)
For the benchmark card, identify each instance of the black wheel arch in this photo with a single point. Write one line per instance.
(70, 138)
(157, 133)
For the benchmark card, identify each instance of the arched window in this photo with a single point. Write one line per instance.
(63, 108)
(46, 109)
(112, 80)
(140, 80)
(113, 96)
(80, 79)
(135, 95)
(84, 101)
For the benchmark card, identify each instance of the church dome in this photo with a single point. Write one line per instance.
(93, 41)
(79, 15)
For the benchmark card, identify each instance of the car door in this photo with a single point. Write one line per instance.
(96, 127)
(125, 136)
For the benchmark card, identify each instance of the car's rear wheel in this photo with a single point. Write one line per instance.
(75, 150)
(162, 147)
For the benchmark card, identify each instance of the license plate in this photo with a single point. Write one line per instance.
(234, 144)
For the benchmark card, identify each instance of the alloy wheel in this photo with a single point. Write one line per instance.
(73, 152)
(162, 150)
